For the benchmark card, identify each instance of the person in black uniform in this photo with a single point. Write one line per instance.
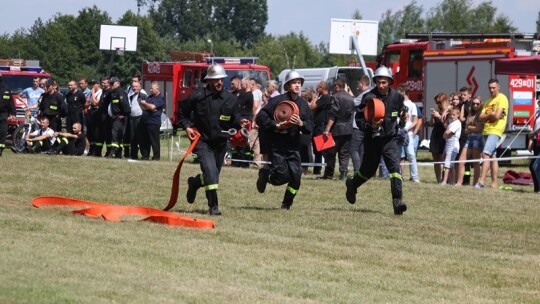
(75, 100)
(281, 141)
(70, 143)
(119, 109)
(210, 111)
(381, 139)
(52, 105)
(7, 110)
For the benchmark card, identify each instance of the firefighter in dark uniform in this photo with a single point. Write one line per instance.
(52, 106)
(101, 120)
(119, 110)
(210, 111)
(7, 110)
(381, 139)
(75, 101)
(281, 141)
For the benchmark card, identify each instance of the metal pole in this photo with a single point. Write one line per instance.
(360, 56)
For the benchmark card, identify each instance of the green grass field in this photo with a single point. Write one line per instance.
(453, 245)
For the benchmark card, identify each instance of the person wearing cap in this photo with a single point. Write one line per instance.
(119, 110)
(381, 139)
(210, 111)
(7, 111)
(52, 105)
(282, 140)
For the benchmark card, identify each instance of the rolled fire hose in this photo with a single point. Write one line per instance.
(374, 110)
(284, 110)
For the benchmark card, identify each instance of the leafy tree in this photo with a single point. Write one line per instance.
(182, 19)
(394, 26)
(92, 63)
(149, 47)
(243, 20)
(538, 23)
(356, 15)
(457, 16)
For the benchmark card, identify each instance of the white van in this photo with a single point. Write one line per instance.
(312, 76)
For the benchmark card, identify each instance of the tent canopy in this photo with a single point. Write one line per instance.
(529, 65)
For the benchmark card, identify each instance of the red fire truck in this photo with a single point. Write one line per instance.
(18, 75)
(442, 62)
(178, 79)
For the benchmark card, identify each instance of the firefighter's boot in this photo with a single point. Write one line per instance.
(288, 199)
(1, 151)
(352, 184)
(211, 195)
(399, 206)
(194, 183)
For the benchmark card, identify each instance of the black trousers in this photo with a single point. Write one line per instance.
(286, 169)
(132, 136)
(390, 151)
(149, 136)
(342, 150)
(3, 132)
(118, 127)
(211, 159)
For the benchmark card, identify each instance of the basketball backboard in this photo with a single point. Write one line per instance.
(365, 31)
(118, 38)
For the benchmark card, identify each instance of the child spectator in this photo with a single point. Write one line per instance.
(451, 148)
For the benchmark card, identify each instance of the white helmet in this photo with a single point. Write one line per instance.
(383, 72)
(293, 75)
(215, 71)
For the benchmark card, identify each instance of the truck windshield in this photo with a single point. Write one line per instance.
(351, 77)
(17, 83)
(260, 76)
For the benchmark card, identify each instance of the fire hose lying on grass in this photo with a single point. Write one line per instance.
(114, 213)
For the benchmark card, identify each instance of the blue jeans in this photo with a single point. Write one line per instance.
(410, 153)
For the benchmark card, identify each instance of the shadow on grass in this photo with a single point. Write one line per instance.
(258, 208)
(360, 210)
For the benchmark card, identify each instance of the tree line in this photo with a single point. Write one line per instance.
(68, 46)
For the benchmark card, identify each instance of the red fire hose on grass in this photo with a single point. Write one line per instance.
(114, 213)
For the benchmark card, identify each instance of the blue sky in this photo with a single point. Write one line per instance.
(311, 17)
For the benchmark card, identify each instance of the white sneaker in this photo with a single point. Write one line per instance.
(479, 186)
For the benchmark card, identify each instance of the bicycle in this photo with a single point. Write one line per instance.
(19, 135)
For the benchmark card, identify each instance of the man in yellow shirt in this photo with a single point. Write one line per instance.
(494, 114)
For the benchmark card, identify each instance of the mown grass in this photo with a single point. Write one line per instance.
(454, 245)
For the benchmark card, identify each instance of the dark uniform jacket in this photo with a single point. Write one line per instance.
(287, 139)
(52, 104)
(340, 112)
(75, 101)
(393, 104)
(211, 113)
(7, 106)
(119, 103)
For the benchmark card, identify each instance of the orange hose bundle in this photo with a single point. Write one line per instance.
(114, 213)
(284, 110)
(374, 110)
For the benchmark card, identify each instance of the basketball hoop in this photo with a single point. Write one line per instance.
(120, 51)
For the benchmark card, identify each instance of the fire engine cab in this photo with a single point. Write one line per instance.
(178, 79)
(18, 74)
(442, 62)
